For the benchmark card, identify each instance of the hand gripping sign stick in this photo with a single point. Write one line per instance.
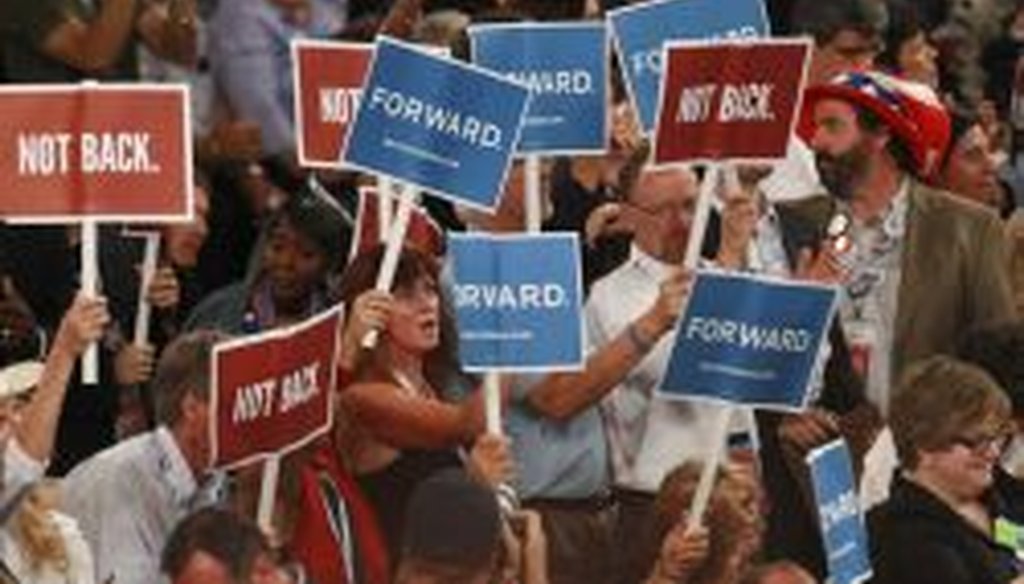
(396, 236)
(90, 287)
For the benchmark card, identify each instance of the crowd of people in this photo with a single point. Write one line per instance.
(903, 187)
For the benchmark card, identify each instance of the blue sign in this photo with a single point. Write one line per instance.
(566, 67)
(750, 340)
(640, 32)
(839, 513)
(518, 301)
(437, 123)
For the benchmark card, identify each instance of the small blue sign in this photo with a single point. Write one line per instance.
(839, 513)
(437, 123)
(566, 67)
(518, 301)
(749, 340)
(641, 30)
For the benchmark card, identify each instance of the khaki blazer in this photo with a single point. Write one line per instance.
(954, 274)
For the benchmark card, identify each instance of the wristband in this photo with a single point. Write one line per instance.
(641, 344)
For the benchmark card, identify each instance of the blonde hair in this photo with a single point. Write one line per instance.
(37, 533)
(727, 534)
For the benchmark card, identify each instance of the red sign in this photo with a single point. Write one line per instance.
(328, 79)
(272, 392)
(117, 153)
(729, 101)
(423, 232)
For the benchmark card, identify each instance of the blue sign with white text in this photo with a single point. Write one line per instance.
(641, 30)
(517, 301)
(839, 514)
(437, 123)
(566, 67)
(749, 340)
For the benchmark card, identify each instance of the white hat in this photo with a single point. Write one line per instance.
(19, 378)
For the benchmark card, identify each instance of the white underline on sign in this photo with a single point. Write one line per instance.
(421, 153)
(544, 120)
(737, 371)
(497, 336)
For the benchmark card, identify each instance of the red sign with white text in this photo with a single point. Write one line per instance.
(729, 101)
(328, 78)
(116, 153)
(272, 392)
(423, 233)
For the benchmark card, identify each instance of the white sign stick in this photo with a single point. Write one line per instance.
(396, 237)
(492, 402)
(268, 492)
(700, 217)
(385, 192)
(90, 287)
(710, 471)
(144, 309)
(721, 428)
(532, 194)
(507, 497)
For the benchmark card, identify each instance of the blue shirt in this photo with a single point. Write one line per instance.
(555, 459)
(251, 58)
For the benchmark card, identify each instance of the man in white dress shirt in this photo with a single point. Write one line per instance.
(128, 498)
(647, 436)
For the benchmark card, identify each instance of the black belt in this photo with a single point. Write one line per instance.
(599, 502)
(628, 496)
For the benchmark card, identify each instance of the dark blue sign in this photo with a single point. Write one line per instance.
(517, 301)
(566, 67)
(749, 340)
(437, 123)
(641, 30)
(839, 512)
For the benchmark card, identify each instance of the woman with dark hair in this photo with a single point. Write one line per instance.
(401, 429)
(288, 277)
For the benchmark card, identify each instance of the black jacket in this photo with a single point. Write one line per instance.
(917, 539)
(793, 531)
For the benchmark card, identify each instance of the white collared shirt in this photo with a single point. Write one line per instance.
(647, 436)
(127, 499)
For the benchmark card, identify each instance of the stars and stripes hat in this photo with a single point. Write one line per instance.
(912, 112)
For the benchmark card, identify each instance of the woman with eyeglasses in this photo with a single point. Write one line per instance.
(943, 521)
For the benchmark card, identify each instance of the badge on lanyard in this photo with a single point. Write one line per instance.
(1010, 535)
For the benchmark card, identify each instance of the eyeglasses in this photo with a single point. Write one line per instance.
(979, 445)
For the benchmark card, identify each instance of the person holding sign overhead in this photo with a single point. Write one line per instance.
(32, 393)
(398, 427)
(630, 316)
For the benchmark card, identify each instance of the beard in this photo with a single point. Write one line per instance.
(841, 173)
